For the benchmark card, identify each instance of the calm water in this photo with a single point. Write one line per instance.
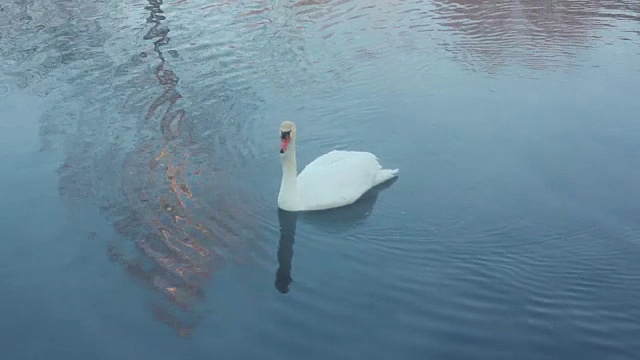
(139, 153)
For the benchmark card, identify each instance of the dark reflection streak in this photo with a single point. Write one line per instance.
(287, 221)
(157, 31)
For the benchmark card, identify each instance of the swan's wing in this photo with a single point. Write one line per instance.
(337, 178)
(329, 158)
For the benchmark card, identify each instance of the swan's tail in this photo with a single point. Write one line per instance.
(385, 174)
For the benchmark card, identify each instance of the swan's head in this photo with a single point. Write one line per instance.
(287, 135)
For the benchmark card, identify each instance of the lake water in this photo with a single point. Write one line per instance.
(139, 152)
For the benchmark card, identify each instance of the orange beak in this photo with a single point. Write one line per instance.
(285, 139)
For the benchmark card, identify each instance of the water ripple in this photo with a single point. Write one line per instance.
(531, 33)
(165, 113)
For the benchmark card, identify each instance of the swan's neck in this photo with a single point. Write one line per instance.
(288, 198)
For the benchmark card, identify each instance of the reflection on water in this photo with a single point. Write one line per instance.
(341, 220)
(141, 170)
(148, 147)
(178, 234)
(175, 241)
(287, 221)
(332, 221)
(539, 34)
(485, 34)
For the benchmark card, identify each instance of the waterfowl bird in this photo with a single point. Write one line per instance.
(335, 179)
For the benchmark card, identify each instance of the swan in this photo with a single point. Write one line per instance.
(335, 179)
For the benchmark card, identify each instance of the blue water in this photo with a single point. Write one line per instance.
(139, 153)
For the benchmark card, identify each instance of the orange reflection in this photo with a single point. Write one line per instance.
(172, 256)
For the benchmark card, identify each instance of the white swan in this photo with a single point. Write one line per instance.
(335, 179)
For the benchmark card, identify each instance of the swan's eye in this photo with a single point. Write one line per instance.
(285, 134)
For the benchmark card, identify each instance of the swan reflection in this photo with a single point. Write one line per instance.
(334, 221)
(340, 220)
(287, 220)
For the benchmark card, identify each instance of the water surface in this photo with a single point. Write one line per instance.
(139, 143)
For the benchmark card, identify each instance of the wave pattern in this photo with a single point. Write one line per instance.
(132, 148)
(160, 107)
(541, 35)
